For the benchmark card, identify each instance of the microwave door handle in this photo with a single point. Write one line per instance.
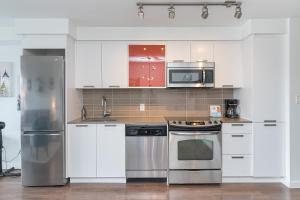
(204, 77)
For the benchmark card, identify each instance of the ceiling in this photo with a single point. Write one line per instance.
(124, 12)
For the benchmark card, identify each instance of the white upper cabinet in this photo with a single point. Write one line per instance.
(88, 64)
(202, 51)
(228, 64)
(111, 151)
(268, 83)
(178, 51)
(115, 64)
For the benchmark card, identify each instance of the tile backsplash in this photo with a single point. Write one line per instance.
(190, 102)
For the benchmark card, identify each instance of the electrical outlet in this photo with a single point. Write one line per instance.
(142, 107)
(298, 99)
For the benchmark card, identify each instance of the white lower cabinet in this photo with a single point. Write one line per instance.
(268, 149)
(237, 149)
(111, 150)
(237, 165)
(96, 152)
(82, 143)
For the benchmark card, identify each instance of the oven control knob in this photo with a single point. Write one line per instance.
(216, 122)
(210, 122)
(179, 122)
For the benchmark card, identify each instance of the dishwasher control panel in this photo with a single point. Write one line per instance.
(146, 130)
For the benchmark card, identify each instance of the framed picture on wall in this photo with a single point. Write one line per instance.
(6, 79)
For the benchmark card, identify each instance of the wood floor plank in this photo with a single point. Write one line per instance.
(11, 189)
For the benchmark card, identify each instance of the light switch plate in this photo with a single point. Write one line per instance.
(142, 107)
(298, 99)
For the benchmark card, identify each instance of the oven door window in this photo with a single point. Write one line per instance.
(195, 149)
(185, 76)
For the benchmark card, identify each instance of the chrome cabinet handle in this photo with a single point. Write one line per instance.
(178, 60)
(114, 86)
(237, 135)
(270, 125)
(82, 125)
(88, 86)
(270, 121)
(237, 124)
(227, 86)
(204, 77)
(110, 125)
(237, 157)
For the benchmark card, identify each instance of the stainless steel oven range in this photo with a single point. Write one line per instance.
(195, 151)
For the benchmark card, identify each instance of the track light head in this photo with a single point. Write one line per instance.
(171, 10)
(238, 12)
(204, 13)
(141, 12)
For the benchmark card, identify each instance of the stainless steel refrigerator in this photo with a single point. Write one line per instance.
(43, 120)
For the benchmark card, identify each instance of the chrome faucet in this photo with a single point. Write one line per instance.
(104, 106)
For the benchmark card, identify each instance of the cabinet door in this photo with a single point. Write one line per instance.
(88, 64)
(82, 150)
(147, 65)
(268, 85)
(201, 51)
(111, 150)
(178, 51)
(228, 64)
(115, 64)
(268, 149)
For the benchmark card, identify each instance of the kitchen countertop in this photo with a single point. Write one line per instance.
(153, 120)
(125, 120)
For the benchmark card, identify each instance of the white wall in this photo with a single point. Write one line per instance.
(10, 52)
(294, 83)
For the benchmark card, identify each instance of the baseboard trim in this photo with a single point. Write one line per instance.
(294, 184)
(251, 180)
(98, 180)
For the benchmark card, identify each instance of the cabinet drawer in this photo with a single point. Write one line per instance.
(237, 128)
(237, 143)
(234, 165)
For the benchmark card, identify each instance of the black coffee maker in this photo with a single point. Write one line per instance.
(232, 108)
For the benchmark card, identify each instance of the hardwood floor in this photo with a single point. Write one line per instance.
(11, 189)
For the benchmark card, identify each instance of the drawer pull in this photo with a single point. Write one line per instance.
(237, 135)
(237, 157)
(270, 121)
(237, 124)
(270, 125)
(227, 86)
(81, 125)
(178, 61)
(110, 125)
(88, 86)
(114, 86)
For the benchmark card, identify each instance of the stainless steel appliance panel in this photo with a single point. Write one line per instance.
(43, 159)
(195, 177)
(146, 153)
(42, 93)
(195, 150)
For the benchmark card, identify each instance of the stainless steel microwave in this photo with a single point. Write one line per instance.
(191, 74)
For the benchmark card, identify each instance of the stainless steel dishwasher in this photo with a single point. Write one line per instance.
(146, 152)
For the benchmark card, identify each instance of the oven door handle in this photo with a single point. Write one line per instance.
(196, 133)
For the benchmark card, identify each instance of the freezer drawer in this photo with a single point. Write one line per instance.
(43, 159)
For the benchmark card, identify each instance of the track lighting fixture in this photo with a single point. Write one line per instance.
(171, 12)
(141, 12)
(204, 13)
(238, 12)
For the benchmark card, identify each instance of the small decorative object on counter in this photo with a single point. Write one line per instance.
(215, 110)
(83, 113)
